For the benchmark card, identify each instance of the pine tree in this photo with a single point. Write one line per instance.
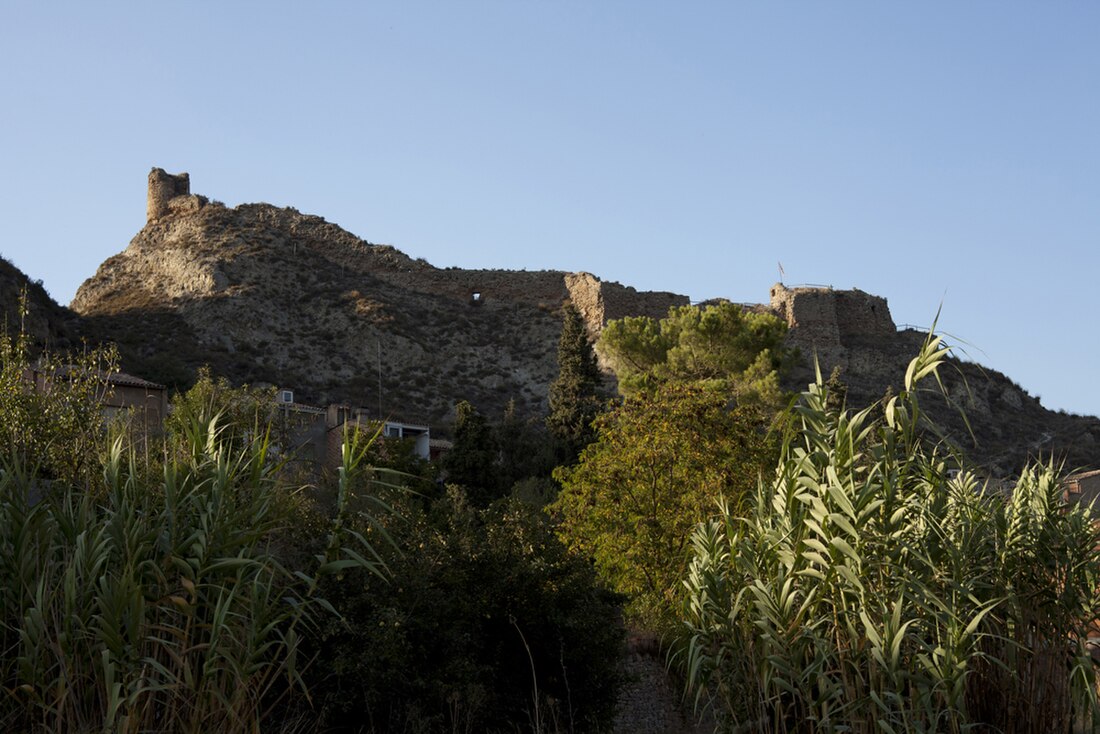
(575, 396)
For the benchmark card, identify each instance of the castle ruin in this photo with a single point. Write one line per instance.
(170, 194)
(822, 321)
(600, 301)
(825, 322)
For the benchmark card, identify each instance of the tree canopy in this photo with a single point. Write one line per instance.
(660, 459)
(719, 345)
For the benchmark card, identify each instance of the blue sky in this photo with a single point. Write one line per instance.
(925, 152)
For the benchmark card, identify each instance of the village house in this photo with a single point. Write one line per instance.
(317, 434)
(1083, 488)
(145, 402)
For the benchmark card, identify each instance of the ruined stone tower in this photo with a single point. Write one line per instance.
(163, 187)
(827, 323)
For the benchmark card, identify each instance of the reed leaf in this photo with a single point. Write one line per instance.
(153, 601)
(877, 585)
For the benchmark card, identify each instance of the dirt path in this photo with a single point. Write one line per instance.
(650, 702)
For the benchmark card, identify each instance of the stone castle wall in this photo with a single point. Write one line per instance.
(620, 301)
(861, 315)
(598, 301)
(823, 321)
(540, 288)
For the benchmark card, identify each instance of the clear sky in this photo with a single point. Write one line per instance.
(934, 152)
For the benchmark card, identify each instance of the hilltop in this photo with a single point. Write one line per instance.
(267, 294)
(270, 295)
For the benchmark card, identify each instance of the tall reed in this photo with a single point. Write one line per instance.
(156, 603)
(879, 585)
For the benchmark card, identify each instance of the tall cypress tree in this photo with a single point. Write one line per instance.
(473, 462)
(575, 396)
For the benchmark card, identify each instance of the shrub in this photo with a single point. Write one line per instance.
(878, 585)
(488, 625)
(52, 411)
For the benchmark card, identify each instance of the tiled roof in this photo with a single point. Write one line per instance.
(125, 380)
(120, 379)
(302, 408)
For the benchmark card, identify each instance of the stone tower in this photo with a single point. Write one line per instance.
(163, 187)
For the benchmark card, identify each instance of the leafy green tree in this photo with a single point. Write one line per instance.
(659, 461)
(575, 395)
(720, 345)
(879, 585)
(52, 409)
(525, 452)
(490, 457)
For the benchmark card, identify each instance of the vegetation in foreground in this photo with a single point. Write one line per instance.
(149, 596)
(194, 584)
(872, 583)
(700, 393)
(877, 585)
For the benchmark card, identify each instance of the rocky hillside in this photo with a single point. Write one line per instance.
(1003, 425)
(265, 294)
(47, 323)
(271, 295)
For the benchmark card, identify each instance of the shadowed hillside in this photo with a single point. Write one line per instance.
(47, 323)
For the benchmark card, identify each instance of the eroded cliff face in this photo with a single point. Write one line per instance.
(265, 294)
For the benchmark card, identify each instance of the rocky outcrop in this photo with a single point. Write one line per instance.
(267, 294)
(982, 411)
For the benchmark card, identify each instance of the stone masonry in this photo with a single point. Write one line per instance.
(170, 194)
(824, 321)
(599, 301)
